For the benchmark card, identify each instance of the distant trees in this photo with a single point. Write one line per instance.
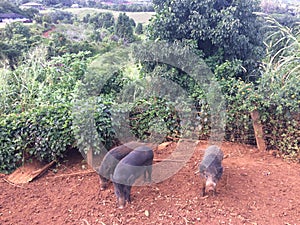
(59, 15)
(57, 3)
(9, 7)
(100, 20)
(59, 44)
(123, 27)
(139, 28)
(15, 39)
(127, 8)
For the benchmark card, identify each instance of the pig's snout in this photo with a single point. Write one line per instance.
(210, 186)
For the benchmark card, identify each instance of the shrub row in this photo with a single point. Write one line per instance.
(44, 133)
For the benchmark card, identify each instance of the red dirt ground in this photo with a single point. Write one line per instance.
(256, 188)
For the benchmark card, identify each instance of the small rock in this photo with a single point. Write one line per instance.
(147, 213)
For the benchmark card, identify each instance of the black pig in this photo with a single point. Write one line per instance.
(110, 161)
(136, 163)
(211, 169)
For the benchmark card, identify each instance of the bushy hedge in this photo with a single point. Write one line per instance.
(44, 133)
(35, 115)
(92, 124)
(154, 118)
(282, 132)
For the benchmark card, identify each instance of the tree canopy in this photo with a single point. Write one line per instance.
(223, 30)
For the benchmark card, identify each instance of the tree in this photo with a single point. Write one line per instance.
(16, 39)
(100, 20)
(221, 29)
(139, 28)
(59, 15)
(123, 27)
(8, 7)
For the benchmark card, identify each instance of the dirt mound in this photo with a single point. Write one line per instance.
(256, 188)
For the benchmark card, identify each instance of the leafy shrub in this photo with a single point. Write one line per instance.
(154, 118)
(44, 133)
(35, 114)
(276, 95)
(92, 124)
(238, 124)
(139, 28)
(100, 20)
(51, 131)
(41, 82)
(13, 141)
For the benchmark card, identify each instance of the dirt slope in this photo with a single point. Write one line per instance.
(256, 188)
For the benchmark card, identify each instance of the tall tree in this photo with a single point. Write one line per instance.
(123, 27)
(15, 39)
(221, 29)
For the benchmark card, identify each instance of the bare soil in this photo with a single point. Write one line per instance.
(256, 188)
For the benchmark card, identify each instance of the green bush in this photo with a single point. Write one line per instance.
(92, 124)
(51, 132)
(238, 123)
(277, 95)
(13, 141)
(44, 133)
(154, 119)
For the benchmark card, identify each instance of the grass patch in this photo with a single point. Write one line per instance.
(139, 17)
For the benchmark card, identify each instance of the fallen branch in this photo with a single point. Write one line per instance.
(41, 171)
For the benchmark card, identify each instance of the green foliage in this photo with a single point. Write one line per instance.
(16, 40)
(36, 114)
(41, 82)
(282, 132)
(123, 28)
(8, 7)
(92, 124)
(100, 20)
(58, 16)
(276, 96)
(238, 124)
(222, 30)
(93, 100)
(59, 44)
(154, 119)
(12, 140)
(127, 7)
(44, 133)
(139, 28)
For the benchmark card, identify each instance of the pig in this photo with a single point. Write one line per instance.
(131, 167)
(211, 169)
(110, 161)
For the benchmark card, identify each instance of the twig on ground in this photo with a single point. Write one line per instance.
(86, 222)
(13, 183)
(74, 174)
